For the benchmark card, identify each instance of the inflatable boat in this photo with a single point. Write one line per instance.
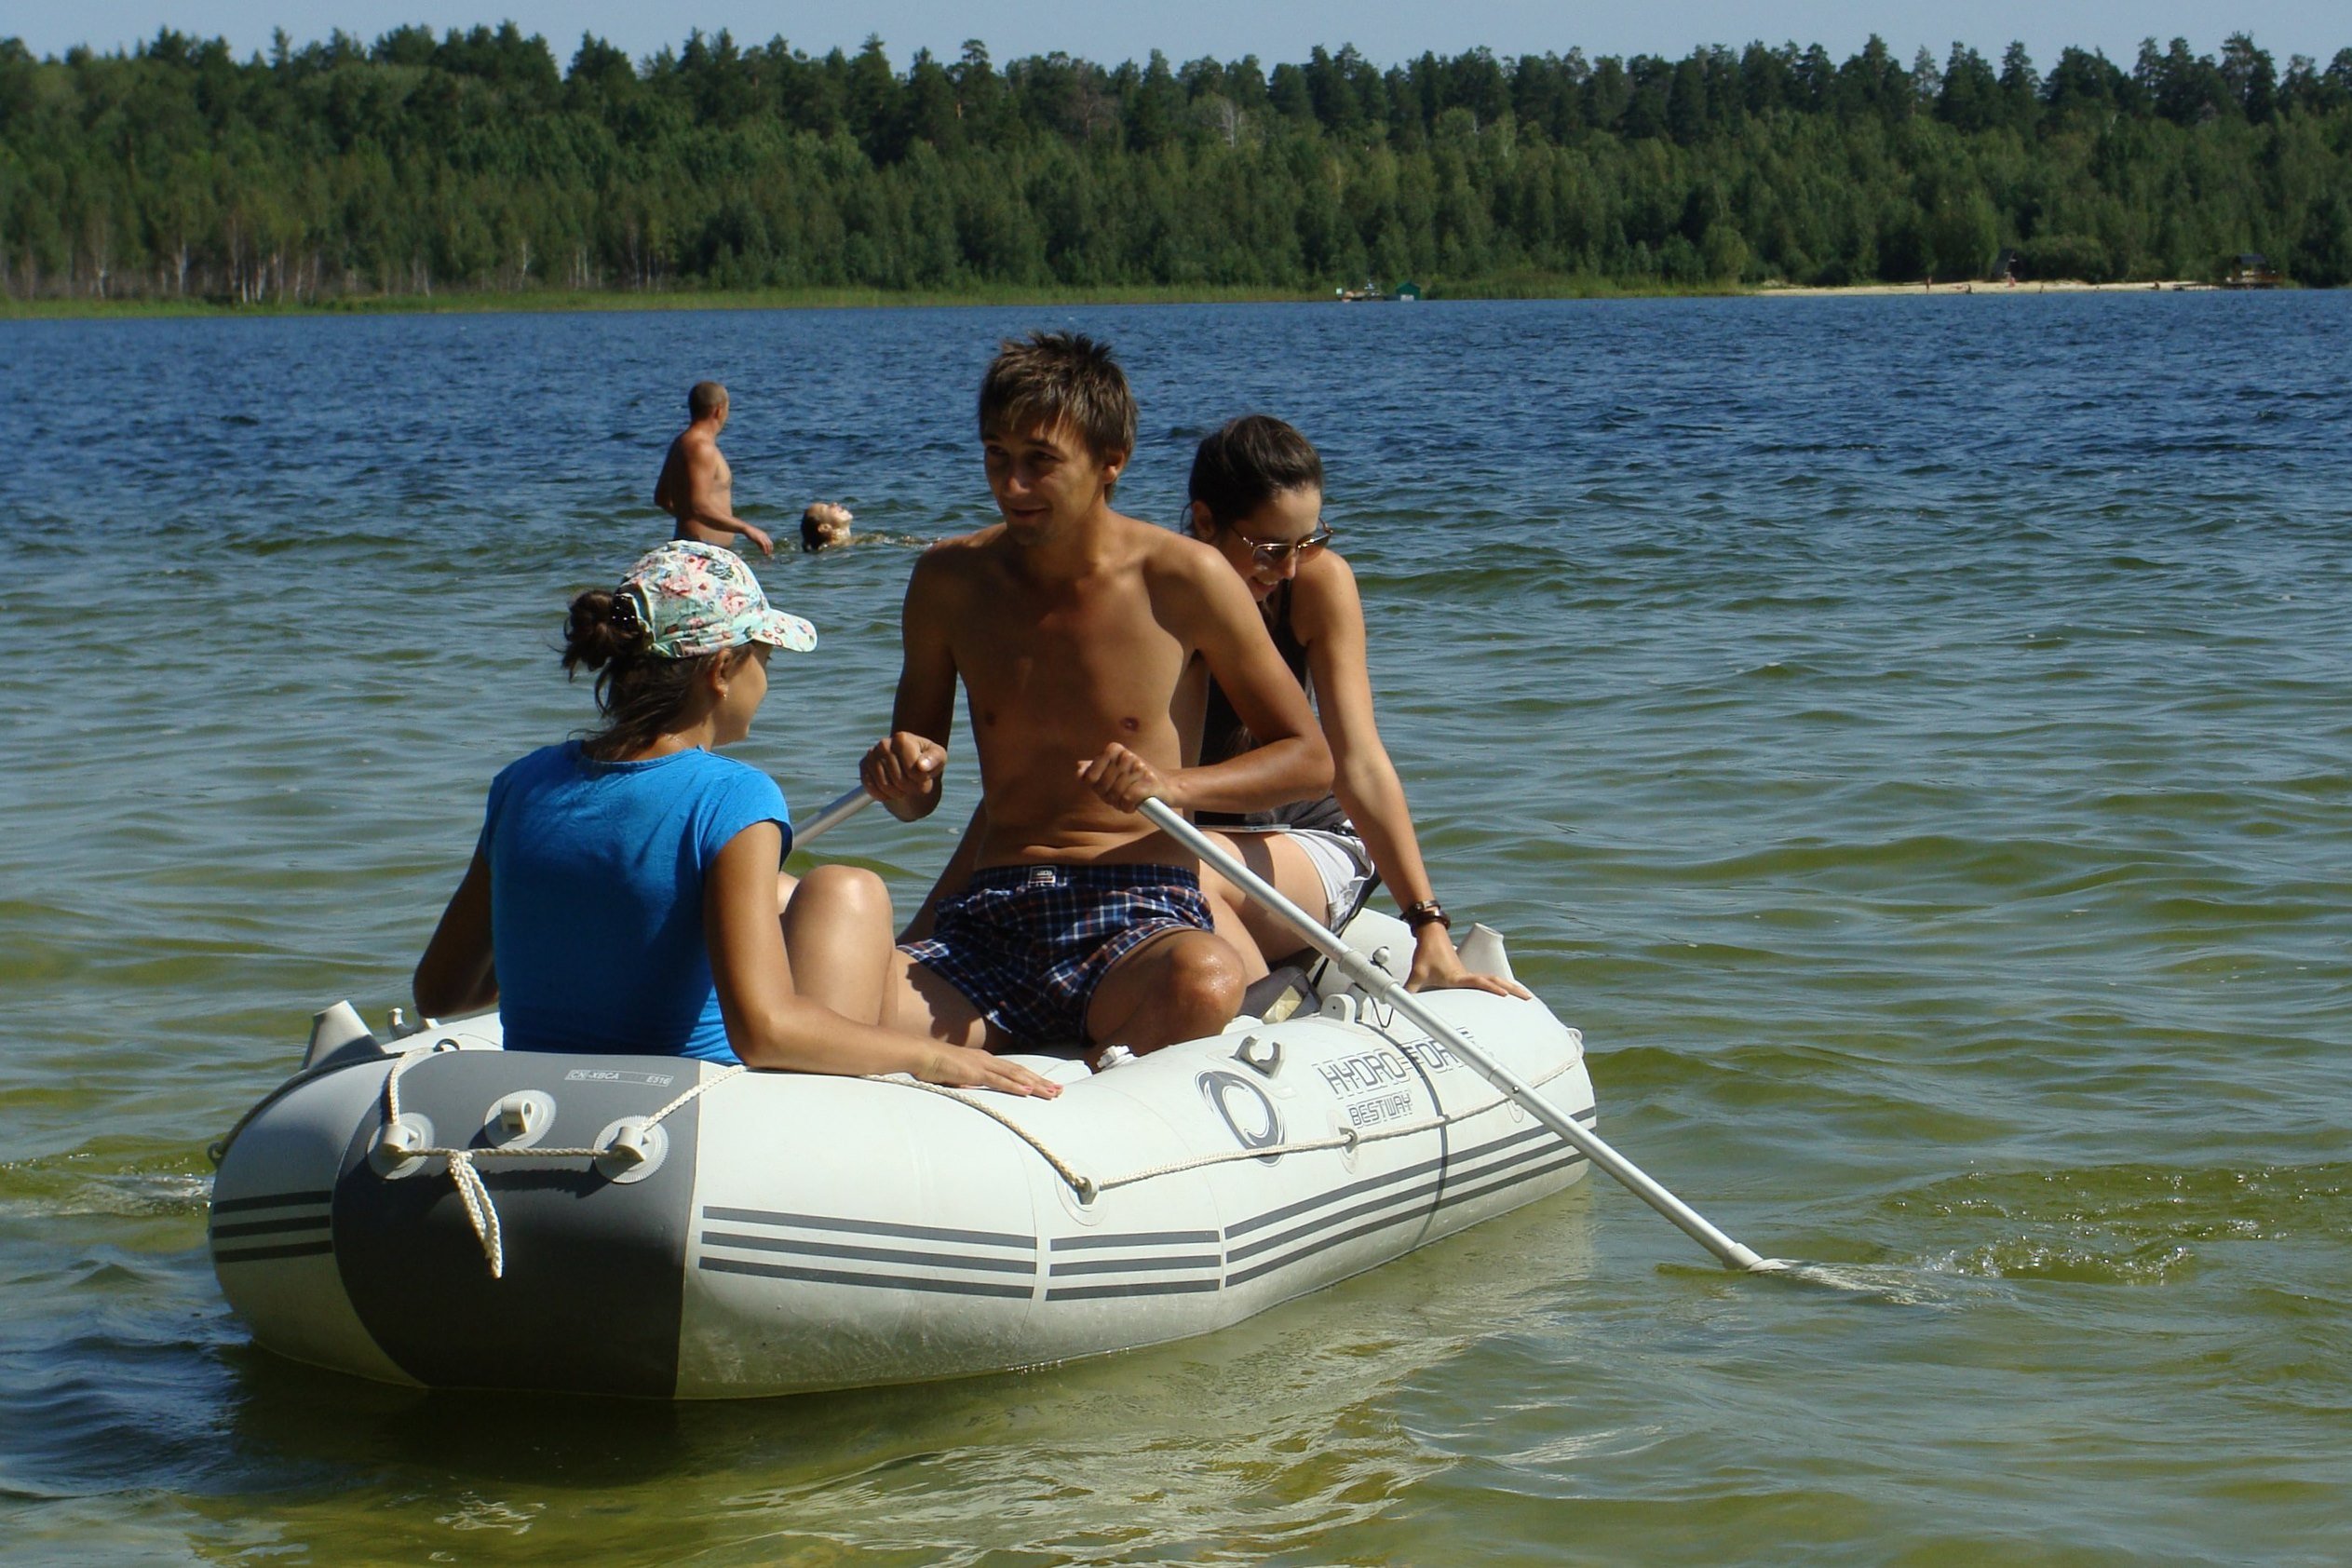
(429, 1208)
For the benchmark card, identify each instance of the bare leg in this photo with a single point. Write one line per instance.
(1177, 987)
(1226, 904)
(1280, 860)
(837, 939)
(917, 1001)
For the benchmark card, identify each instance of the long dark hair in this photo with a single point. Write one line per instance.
(1250, 462)
(639, 692)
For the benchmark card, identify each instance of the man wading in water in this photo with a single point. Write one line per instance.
(696, 487)
(1072, 628)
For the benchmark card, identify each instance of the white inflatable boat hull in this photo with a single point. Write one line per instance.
(790, 1233)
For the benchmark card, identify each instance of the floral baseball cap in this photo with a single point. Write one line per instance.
(696, 599)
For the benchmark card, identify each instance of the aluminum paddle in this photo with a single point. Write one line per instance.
(1380, 984)
(831, 814)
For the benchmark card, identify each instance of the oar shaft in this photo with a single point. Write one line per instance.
(831, 814)
(1380, 984)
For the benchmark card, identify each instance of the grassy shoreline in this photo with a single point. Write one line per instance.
(471, 303)
(557, 300)
(1516, 286)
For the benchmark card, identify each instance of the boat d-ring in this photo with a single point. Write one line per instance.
(634, 1149)
(517, 1120)
(396, 1151)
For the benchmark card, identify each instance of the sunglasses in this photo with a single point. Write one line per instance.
(1274, 552)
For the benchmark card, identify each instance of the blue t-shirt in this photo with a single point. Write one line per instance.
(596, 876)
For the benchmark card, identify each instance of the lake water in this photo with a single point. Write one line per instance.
(1908, 735)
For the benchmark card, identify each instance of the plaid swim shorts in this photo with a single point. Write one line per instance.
(1027, 944)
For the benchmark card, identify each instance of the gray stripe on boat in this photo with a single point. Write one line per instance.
(1527, 1166)
(1565, 1159)
(1416, 1195)
(1134, 1266)
(1403, 1173)
(872, 1227)
(258, 1255)
(1138, 1239)
(275, 1200)
(1469, 1165)
(865, 1254)
(1321, 1242)
(878, 1281)
(272, 1227)
(1104, 1292)
(1336, 1195)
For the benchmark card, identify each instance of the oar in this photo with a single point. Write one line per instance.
(1379, 984)
(833, 814)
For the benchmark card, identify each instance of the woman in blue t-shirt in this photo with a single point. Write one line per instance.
(624, 897)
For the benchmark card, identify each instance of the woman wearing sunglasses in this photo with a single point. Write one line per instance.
(1257, 497)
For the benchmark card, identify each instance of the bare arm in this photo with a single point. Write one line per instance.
(458, 974)
(770, 1025)
(1329, 615)
(904, 771)
(1212, 612)
(1292, 760)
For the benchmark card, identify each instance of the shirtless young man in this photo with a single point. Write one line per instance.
(696, 487)
(1072, 629)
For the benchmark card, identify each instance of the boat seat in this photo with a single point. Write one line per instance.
(1280, 994)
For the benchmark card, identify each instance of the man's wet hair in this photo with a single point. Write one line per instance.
(1248, 463)
(1060, 378)
(705, 398)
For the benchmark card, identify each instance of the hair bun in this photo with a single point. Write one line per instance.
(602, 627)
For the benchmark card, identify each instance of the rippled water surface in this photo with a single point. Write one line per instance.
(1908, 735)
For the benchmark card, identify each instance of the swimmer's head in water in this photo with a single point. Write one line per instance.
(705, 398)
(825, 524)
(1060, 381)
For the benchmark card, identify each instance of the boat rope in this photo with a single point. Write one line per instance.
(1087, 1187)
(480, 1211)
(1084, 1187)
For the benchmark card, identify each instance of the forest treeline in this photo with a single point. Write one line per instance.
(472, 161)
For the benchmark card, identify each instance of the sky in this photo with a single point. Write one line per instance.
(1110, 30)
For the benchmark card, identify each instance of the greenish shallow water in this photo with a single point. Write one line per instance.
(1907, 736)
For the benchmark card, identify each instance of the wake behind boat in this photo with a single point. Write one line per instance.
(433, 1209)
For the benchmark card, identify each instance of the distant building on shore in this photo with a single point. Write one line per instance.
(2252, 270)
(1370, 291)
